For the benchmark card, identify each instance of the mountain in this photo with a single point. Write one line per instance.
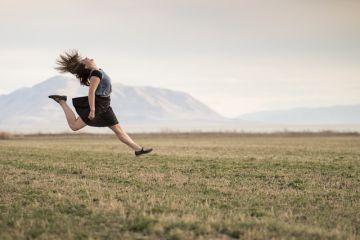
(348, 114)
(29, 109)
(150, 109)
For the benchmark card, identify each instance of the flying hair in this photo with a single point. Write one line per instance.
(70, 62)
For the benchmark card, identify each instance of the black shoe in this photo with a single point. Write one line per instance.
(143, 151)
(57, 98)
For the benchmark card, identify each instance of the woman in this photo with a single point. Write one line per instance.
(94, 109)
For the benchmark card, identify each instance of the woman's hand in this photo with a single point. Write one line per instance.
(92, 114)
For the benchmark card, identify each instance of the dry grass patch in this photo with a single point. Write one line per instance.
(198, 186)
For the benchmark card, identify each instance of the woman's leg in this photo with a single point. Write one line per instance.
(74, 123)
(122, 136)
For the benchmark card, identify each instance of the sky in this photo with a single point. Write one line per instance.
(234, 56)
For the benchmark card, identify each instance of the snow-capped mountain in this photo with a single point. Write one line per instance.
(149, 109)
(29, 109)
(346, 114)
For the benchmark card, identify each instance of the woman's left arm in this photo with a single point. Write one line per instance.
(94, 82)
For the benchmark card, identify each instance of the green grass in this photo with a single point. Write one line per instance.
(193, 186)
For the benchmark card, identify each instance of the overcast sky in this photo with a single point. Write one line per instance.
(235, 56)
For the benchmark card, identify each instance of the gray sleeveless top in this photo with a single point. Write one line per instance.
(104, 88)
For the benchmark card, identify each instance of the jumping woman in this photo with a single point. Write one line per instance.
(93, 110)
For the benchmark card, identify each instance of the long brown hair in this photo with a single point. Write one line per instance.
(70, 62)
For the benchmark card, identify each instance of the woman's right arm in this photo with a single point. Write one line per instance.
(94, 82)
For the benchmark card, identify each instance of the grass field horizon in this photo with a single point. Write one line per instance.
(239, 133)
(192, 186)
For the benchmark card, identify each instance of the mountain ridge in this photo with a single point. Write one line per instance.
(30, 108)
(335, 114)
(148, 108)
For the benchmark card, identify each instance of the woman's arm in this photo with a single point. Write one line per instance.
(94, 82)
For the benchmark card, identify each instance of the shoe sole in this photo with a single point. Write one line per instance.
(57, 98)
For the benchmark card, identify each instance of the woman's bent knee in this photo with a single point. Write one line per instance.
(74, 128)
(77, 125)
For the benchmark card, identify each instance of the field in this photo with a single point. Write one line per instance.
(193, 186)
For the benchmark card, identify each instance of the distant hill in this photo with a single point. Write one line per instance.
(29, 109)
(348, 114)
(149, 109)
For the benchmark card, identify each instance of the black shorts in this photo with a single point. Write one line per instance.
(104, 115)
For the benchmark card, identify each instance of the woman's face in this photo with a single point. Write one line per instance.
(89, 63)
